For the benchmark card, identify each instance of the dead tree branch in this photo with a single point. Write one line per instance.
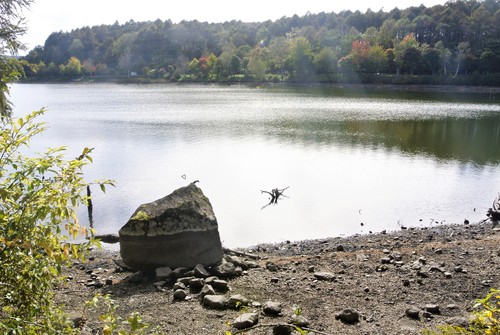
(275, 194)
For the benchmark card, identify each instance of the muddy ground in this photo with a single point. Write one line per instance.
(436, 273)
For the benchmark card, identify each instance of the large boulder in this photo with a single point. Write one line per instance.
(179, 230)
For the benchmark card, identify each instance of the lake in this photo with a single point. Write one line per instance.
(355, 160)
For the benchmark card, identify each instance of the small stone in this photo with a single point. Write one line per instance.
(406, 282)
(274, 280)
(220, 285)
(386, 251)
(180, 294)
(237, 261)
(227, 270)
(438, 251)
(196, 283)
(272, 308)
(207, 290)
(237, 301)
(311, 268)
(246, 320)
(413, 312)
(458, 321)
(432, 308)
(385, 260)
(348, 316)
(200, 271)
(179, 286)
(422, 274)
(185, 280)
(327, 276)
(271, 266)
(163, 273)
(340, 247)
(448, 275)
(458, 269)
(299, 321)
(215, 301)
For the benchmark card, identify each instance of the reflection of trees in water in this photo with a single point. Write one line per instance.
(476, 140)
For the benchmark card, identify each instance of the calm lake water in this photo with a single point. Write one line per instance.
(355, 161)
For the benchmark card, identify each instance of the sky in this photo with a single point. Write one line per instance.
(47, 16)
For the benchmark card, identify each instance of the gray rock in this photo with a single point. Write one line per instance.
(179, 286)
(227, 270)
(272, 308)
(458, 321)
(179, 230)
(432, 308)
(246, 320)
(196, 283)
(207, 290)
(348, 316)
(413, 312)
(215, 301)
(164, 273)
(200, 271)
(108, 238)
(237, 301)
(220, 285)
(299, 321)
(180, 294)
(327, 276)
(237, 261)
(271, 266)
(185, 280)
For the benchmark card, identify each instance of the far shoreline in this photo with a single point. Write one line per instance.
(420, 88)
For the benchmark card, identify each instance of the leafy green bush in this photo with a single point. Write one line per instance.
(485, 320)
(38, 197)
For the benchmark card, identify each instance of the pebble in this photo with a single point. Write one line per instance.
(136, 278)
(237, 301)
(200, 271)
(163, 273)
(326, 276)
(180, 294)
(215, 301)
(299, 320)
(207, 290)
(348, 316)
(246, 320)
(282, 330)
(413, 312)
(272, 308)
(432, 308)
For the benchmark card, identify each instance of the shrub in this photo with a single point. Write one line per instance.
(485, 320)
(38, 197)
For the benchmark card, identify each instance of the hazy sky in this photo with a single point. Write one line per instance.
(47, 16)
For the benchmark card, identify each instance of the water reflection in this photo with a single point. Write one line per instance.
(465, 140)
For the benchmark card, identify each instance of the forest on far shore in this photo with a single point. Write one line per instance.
(455, 43)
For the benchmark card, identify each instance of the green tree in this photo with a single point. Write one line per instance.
(325, 62)
(300, 59)
(72, 69)
(12, 26)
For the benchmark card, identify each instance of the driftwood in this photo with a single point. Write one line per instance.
(275, 194)
(494, 212)
(239, 253)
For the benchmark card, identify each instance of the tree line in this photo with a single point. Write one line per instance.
(439, 44)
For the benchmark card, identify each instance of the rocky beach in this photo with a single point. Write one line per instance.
(388, 283)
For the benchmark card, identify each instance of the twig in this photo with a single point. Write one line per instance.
(280, 324)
